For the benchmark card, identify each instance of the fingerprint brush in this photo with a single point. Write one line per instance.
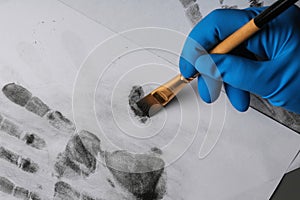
(162, 95)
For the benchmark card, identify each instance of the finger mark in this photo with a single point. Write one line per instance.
(60, 122)
(22, 193)
(17, 94)
(6, 186)
(156, 150)
(78, 157)
(76, 151)
(64, 191)
(65, 167)
(23, 163)
(138, 173)
(90, 141)
(9, 156)
(11, 128)
(37, 106)
(23, 97)
(256, 3)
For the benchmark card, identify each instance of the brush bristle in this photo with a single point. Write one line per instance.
(149, 105)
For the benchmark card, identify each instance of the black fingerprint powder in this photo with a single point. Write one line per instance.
(134, 96)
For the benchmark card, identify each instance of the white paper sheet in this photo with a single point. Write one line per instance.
(178, 18)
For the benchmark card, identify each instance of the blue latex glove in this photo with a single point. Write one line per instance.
(276, 78)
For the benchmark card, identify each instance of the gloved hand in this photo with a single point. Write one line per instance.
(276, 77)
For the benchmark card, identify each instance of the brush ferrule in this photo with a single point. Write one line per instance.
(169, 90)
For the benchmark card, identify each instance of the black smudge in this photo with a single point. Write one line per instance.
(110, 183)
(225, 6)
(25, 163)
(34, 140)
(29, 139)
(134, 96)
(256, 3)
(156, 150)
(28, 165)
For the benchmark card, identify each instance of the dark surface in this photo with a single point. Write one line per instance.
(289, 188)
(78, 156)
(273, 11)
(284, 117)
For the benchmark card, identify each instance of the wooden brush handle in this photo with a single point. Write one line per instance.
(235, 39)
(250, 28)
